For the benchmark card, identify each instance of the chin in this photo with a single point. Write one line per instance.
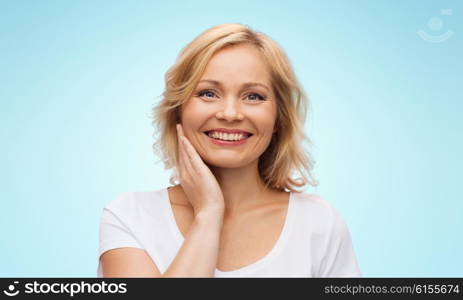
(225, 162)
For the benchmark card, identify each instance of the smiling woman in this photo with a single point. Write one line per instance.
(230, 124)
(206, 68)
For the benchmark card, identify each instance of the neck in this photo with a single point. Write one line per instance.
(242, 187)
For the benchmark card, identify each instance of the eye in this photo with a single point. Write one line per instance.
(255, 96)
(206, 93)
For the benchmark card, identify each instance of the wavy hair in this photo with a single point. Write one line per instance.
(285, 154)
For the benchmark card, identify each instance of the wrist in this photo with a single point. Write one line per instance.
(209, 215)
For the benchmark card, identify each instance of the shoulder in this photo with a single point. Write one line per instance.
(122, 200)
(318, 213)
(316, 205)
(133, 203)
(323, 229)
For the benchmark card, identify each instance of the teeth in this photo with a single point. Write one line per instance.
(227, 136)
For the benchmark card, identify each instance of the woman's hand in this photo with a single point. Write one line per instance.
(198, 182)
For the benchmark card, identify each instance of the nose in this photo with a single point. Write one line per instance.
(230, 110)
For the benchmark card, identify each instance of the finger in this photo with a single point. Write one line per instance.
(185, 160)
(187, 157)
(193, 155)
(191, 152)
(179, 145)
(181, 156)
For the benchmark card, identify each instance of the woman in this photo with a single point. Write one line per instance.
(231, 125)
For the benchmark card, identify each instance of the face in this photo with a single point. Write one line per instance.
(234, 92)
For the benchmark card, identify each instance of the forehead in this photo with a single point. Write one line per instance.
(237, 64)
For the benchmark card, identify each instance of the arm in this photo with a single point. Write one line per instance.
(198, 255)
(339, 259)
(196, 258)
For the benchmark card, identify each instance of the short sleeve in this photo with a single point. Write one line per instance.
(114, 233)
(339, 259)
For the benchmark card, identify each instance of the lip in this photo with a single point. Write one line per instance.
(227, 130)
(227, 143)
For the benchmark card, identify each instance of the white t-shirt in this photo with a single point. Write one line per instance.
(314, 242)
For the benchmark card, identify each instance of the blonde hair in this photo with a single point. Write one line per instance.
(285, 153)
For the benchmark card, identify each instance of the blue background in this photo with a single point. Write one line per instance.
(78, 80)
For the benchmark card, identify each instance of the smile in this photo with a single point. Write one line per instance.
(227, 139)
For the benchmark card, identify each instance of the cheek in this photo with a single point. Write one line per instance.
(265, 120)
(193, 115)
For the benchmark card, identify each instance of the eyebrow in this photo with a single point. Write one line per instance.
(245, 85)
